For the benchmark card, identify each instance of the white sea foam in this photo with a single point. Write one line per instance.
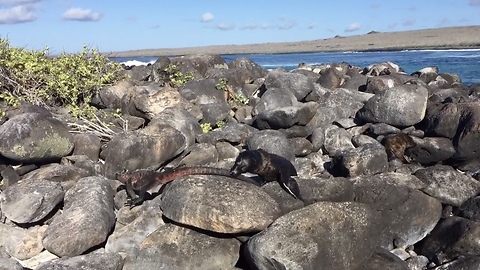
(130, 63)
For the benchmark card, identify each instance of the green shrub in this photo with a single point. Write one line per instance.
(69, 80)
(233, 99)
(176, 77)
(206, 127)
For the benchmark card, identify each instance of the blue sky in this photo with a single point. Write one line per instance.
(66, 25)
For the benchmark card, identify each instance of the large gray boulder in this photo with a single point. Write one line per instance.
(400, 106)
(324, 235)
(34, 137)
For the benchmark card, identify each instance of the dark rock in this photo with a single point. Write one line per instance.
(448, 185)
(344, 101)
(197, 63)
(32, 137)
(317, 138)
(296, 83)
(383, 129)
(417, 262)
(167, 247)
(232, 132)
(427, 74)
(356, 83)
(9, 177)
(199, 154)
(383, 259)
(455, 95)
(301, 146)
(215, 112)
(380, 84)
(10, 264)
(381, 69)
(87, 144)
(430, 150)
(30, 200)
(406, 213)
(367, 159)
(451, 238)
(66, 175)
(158, 70)
(467, 136)
(93, 261)
(464, 263)
(87, 166)
(139, 73)
(128, 237)
(317, 189)
(226, 151)
(218, 204)
(399, 106)
(271, 141)
(274, 98)
(331, 78)
(20, 243)
(86, 221)
(338, 235)
(243, 63)
(337, 141)
(134, 150)
(180, 120)
(151, 105)
(470, 209)
(359, 140)
(441, 120)
(112, 96)
(203, 92)
(286, 117)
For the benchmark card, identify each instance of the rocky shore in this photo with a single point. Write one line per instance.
(386, 163)
(439, 38)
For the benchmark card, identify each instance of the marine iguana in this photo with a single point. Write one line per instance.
(269, 167)
(142, 180)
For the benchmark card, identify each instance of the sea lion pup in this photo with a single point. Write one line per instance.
(142, 180)
(269, 167)
(395, 145)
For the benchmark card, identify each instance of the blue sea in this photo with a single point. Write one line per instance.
(465, 63)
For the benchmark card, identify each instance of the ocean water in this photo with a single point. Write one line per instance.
(465, 63)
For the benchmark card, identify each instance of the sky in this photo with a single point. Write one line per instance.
(121, 25)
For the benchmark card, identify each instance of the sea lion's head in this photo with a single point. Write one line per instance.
(243, 163)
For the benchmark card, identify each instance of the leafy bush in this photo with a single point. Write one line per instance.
(176, 77)
(233, 98)
(69, 80)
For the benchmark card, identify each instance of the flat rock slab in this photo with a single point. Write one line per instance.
(219, 204)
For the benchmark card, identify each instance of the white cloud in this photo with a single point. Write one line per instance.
(17, 14)
(17, 2)
(474, 2)
(225, 27)
(250, 26)
(353, 27)
(312, 26)
(207, 17)
(79, 14)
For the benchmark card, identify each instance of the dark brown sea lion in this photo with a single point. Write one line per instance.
(395, 145)
(269, 167)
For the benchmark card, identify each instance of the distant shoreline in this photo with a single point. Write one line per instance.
(465, 37)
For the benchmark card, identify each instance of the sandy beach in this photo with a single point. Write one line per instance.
(438, 38)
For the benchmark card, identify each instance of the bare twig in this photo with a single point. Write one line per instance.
(100, 129)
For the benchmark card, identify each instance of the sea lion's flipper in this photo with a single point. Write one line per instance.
(290, 185)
